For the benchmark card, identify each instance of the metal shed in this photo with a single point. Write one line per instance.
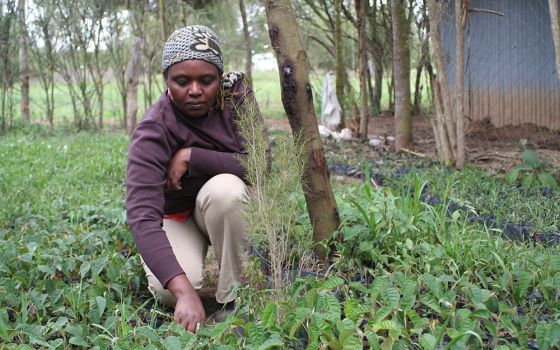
(510, 72)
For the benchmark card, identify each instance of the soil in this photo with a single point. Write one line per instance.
(496, 149)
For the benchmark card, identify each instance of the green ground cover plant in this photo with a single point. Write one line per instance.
(404, 274)
(496, 195)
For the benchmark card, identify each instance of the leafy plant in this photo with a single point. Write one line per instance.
(532, 172)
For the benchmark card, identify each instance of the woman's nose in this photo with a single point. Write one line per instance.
(195, 89)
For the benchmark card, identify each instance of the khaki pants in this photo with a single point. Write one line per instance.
(217, 219)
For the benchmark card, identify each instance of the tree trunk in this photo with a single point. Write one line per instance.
(401, 71)
(555, 23)
(377, 57)
(297, 99)
(133, 73)
(460, 22)
(23, 64)
(417, 88)
(360, 16)
(248, 48)
(339, 60)
(163, 18)
(442, 95)
(184, 13)
(378, 84)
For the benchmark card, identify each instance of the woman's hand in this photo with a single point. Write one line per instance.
(177, 168)
(189, 311)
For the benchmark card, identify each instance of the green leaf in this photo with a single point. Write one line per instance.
(382, 313)
(528, 180)
(531, 158)
(78, 341)
(84, 268)
(101, 303)
(431, 302)
(172, 343)
(543, 337)
(219, 329)
(331, 305)
(555, 334)
(433, 285)
(408, 294)
(513, 175)
(148, 333)
(332, 283)
(269, 315)
(525, 279)
(376, 287)
(548, 180)
(428, 341)
(350, 307)
(555, 263)
(352, 343)
(256, 333)
(391, 296)
(271, 343)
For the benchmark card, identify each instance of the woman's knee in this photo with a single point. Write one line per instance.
(223, 190)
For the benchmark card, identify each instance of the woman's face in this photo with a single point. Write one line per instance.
(193, 86)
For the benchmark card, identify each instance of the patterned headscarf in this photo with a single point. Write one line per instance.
(194, 42)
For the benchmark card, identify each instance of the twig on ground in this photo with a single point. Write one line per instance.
(417, 154)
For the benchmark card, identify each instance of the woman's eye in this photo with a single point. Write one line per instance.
(207, 80)
(181, 82)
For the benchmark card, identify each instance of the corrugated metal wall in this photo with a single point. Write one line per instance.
(510, 72)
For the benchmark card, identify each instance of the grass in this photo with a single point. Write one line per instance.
(265, 84)
(405, 275)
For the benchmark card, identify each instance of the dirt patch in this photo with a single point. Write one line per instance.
(497, 149)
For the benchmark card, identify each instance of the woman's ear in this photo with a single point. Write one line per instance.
(169, 94)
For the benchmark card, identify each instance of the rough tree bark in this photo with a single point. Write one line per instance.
(460, 22)
(133, 72)
(23, 63)
(339, 59)
(444, 129)
(297, 99)
(248, 48)
(401, 71)
(361, 23)
(555, 23)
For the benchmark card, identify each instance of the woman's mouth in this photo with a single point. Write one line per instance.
(196, 105)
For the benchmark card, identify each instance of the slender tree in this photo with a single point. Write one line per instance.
(132, 83)
(460, 22)
(376, 50)
(361, 23)
(248, 46)
(340, 71)
(23, 63)
(8, 65)
(401, 71)
(43, 59)
(118, 56)
(297, 98)
(555, 24)
(165, 28)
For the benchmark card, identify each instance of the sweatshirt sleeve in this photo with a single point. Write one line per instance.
(207, 163)
(148, 157)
